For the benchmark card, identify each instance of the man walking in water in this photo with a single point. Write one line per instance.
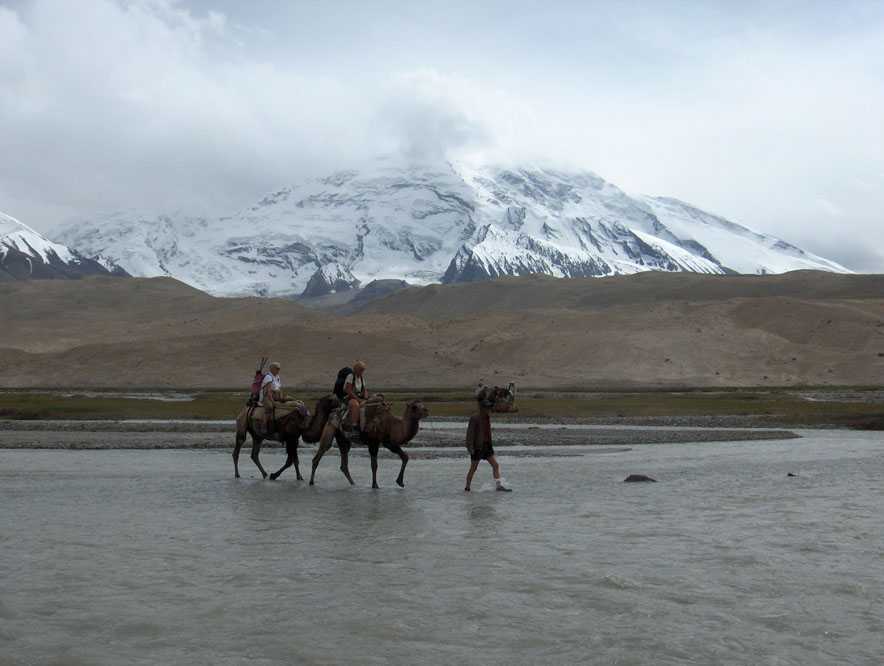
(478, 440)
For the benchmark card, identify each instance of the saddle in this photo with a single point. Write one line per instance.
(289, 408)
(371, 415)
(281, 413)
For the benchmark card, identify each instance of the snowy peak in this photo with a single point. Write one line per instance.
(330, 279)
(15, 235)
(427, 223)
(26, 253)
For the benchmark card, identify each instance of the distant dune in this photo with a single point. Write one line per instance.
(646, 330)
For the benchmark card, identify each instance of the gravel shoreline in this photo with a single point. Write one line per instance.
(190, 426)
(170, 435)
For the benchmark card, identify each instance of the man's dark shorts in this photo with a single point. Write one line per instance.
(486, 452)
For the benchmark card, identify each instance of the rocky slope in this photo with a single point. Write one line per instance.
(662, 330)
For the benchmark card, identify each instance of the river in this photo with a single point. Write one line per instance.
(160, 556)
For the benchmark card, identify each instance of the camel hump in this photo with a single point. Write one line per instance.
(373, 416)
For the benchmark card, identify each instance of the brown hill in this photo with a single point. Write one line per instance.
(651, 329)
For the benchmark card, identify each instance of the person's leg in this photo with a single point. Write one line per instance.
(495, 470)
(354, 413)
(268, 417)
(474, 465)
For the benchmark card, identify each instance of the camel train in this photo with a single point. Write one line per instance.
(292, 422)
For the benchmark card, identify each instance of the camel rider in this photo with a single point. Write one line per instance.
(271, 393)
(356, 393)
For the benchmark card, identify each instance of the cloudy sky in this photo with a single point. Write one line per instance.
(767, 112)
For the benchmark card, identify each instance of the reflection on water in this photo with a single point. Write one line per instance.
(113, 557)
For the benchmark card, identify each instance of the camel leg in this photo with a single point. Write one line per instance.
(395, 448)
(291, 449)
(256, 450)
(325, 443)
(373, 452)
(344, 449)
(240, 440)
(294, 454)
(289, 461)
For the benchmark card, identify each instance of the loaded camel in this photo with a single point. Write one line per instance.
(289, 429)
(381, 429)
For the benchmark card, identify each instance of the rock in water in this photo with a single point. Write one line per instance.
(638, 478)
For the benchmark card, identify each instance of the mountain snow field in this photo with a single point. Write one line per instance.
(442, 222)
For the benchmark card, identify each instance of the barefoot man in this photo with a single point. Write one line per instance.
(479, 438)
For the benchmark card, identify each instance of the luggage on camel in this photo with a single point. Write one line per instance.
(371, 414)
(341, 380)
(281, 412)
(288, 408)
(255, 394)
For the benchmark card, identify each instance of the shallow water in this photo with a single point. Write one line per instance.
(114, 557)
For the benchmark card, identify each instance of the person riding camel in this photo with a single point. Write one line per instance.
(355, 392)
(478, 440)
(270, 394)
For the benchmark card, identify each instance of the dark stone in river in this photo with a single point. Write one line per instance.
(638, 478)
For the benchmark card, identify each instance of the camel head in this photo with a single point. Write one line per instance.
(416, 410)
(498, 398)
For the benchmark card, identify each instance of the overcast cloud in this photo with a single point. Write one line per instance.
(769, 113)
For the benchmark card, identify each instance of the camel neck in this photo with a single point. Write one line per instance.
(411, 427)
(316, 424)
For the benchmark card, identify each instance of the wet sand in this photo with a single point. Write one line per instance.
(435, 434)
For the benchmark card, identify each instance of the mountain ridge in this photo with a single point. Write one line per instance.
(27, 254)
(444, 222)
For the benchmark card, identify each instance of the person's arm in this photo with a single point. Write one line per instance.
(471, 438)
(350, 390)
(267, 393)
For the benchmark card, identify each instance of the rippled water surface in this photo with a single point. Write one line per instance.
(129, 557)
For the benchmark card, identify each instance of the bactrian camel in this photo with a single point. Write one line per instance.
(289, 430)
(383, 430)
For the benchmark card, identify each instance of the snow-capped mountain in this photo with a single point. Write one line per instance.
(430, 223)
(25, 253)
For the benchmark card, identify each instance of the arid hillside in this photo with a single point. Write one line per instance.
(647, 330)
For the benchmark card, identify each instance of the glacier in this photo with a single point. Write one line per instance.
(436, 222)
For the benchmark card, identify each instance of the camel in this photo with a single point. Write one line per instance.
(504, 399)
(385, 429)
(290, 429)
